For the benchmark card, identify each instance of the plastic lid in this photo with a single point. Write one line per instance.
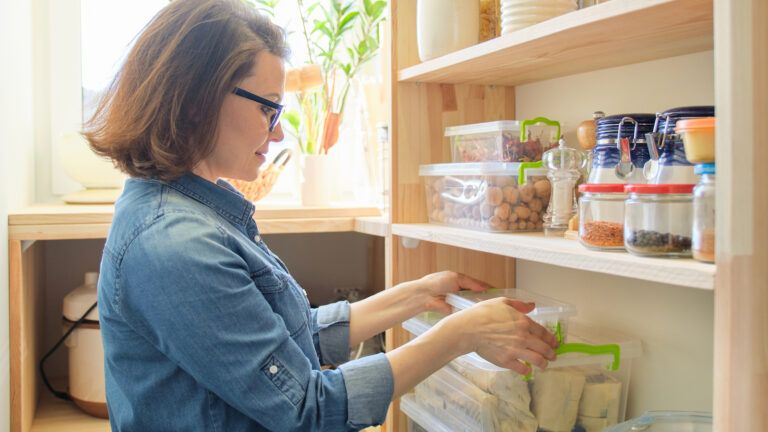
(471, 168)
(659, 188)
(702, 169)
(602, 188)
(578, 332)
(545, 306)
(667, 421)
(695, 123)
(81, 298)
(488, 127)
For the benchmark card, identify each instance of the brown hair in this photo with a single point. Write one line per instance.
(158, 118)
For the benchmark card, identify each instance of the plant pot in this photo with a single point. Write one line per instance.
(317, 180)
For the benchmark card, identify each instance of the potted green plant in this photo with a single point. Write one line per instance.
(340, 37)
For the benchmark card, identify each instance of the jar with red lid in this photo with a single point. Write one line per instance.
(601, 216)
(658, 219)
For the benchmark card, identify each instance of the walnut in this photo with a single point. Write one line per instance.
(513, 217)
(494, 196)
(502, 211)
(511, 194)
(543, 188)
(522, 212)
(536, 205)
(498, 224)
(527, 192)
(535, 216)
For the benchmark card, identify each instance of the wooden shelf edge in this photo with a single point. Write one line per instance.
(57, 415)
(611, 34)
(375, 226)
(566, 253)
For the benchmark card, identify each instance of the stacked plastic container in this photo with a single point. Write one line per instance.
(495, 182)
(471, 394)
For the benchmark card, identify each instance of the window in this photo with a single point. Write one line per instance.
(100, 33)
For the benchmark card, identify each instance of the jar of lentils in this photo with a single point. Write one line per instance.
(658, 220)
(601, 216)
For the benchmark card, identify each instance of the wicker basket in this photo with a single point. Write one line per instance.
(259, 188)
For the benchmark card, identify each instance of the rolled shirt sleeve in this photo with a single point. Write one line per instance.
(370, 385)
(331, 332)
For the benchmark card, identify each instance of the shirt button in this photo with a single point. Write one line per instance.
(257, 238)
(273, 369)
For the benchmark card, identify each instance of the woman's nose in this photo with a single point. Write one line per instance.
(277, 135)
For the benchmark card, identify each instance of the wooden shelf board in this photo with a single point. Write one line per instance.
(54, 415)
(615, 33)
(566, 253)
(68, 222)
(373, 225)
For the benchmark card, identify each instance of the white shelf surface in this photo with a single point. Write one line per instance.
(566, 253)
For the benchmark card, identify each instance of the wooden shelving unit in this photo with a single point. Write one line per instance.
(476, 84)
(566, 253)
(33, 409)
(599, 37)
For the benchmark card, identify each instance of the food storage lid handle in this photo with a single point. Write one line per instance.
(524, 166)
(610, 349)
(524, 126)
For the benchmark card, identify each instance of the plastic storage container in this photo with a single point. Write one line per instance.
(667, 421)
(699, 139)
(490, 196)
(550, 313)
(613, 162)
(704, 214)
(577, 388)
(503, 141)
(658, 220)
(601, 216)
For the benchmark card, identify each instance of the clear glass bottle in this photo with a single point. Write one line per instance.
(658, 220)
(704, 214)
(564, 167)
(601, 216)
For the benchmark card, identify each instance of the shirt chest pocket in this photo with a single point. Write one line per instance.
(285, 298)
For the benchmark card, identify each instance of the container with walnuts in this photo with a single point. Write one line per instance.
(487, 196)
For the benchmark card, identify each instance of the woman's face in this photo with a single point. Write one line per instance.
(243, 136)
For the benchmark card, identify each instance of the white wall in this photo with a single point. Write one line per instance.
(675, 324)
(16, 153)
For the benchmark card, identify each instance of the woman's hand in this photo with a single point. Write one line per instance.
(500, 331)
(433, 288)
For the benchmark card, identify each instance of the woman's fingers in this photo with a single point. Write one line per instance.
(519, 367)
(470, 283)
(541, 332)
(541, 347)
(519, 305)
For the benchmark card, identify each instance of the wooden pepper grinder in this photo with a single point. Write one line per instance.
(586, 131)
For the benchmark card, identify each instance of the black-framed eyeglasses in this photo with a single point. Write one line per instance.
(275, 118)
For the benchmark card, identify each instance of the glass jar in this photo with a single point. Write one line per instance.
(658, 220)
(609, 153)
(601, 216)
(704, 214)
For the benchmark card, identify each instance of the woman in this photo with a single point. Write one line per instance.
(203, 327)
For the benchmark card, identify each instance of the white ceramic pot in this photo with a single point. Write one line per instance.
(86, 352)
(318, 180)
(444, 26)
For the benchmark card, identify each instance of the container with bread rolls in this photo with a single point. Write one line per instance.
(487, 196)
(579, 391)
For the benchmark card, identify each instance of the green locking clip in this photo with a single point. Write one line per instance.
(537, 120)
(524, 166)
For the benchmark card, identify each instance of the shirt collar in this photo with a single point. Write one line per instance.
(221, 196)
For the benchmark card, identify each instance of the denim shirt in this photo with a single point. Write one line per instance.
(204, 328)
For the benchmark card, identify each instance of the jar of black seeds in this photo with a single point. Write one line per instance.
(658, 220)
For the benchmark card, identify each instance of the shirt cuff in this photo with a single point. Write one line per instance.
(333, 333)
(370, 385)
